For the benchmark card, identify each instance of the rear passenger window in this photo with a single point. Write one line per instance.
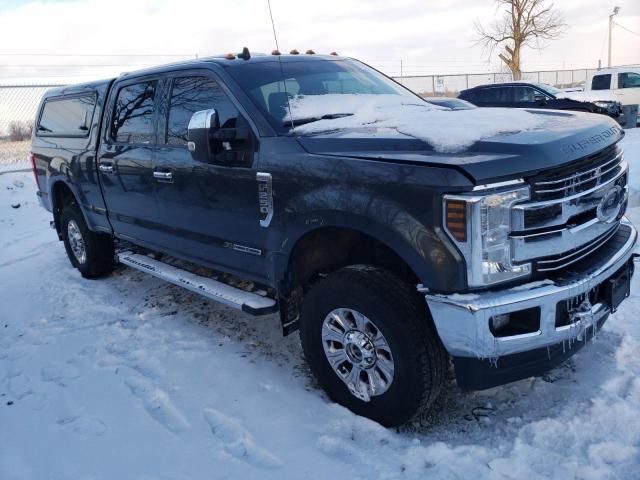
(133, 114)
(190, 95)
(493, 95)
(67, 117)
(601, 82)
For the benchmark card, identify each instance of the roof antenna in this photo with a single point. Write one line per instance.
(273, 25)
(284, 83)
(245, 55)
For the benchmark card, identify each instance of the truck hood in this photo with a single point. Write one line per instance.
(590, 96)
(559, 138)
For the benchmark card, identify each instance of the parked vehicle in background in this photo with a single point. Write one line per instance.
(617, 84)
(394, 235)
(622, 83)
(534, 95)
(450, 102)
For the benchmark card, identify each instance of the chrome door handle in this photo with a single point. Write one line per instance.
(105, 168)
(163, 175)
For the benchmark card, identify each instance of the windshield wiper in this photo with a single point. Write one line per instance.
(301, 121)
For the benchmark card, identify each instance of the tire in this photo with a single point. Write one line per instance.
(98, 258)
(397, 312)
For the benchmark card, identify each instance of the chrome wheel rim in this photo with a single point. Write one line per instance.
(76, 242)
(358, 353)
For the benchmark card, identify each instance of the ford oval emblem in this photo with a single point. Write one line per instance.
(610, 204)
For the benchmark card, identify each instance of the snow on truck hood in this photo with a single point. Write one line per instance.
(447, 131)
(489, 144)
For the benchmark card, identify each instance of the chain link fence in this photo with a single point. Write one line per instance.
(18, 105)
(451, 85)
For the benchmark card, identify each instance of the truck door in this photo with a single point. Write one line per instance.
(125, 160)
(628, 91)
(210, 210)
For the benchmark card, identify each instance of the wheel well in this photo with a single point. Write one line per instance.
(325, 250)
(62, 196)
(330, 248)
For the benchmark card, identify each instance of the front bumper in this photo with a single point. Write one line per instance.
(463, 320)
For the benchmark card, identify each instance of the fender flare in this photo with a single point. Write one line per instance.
(414, 247)
(54, 182)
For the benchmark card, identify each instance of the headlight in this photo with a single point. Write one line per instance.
(609, 106)
(480, 225)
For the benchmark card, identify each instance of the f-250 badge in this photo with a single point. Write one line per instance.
(265, 198)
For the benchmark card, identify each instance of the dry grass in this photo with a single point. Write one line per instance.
(14, 155)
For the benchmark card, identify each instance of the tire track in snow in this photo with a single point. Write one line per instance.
(238, 441)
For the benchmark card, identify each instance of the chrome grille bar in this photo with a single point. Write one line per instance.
(560, 262)
(616, 159)
(575, 183)
(549, 186)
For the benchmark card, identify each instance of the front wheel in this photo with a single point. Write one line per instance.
(90, 252)
(369, 342)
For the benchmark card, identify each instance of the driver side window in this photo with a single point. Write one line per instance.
(524, 94)
(190, 95)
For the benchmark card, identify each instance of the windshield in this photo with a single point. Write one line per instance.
(549, 89)
(310, 79)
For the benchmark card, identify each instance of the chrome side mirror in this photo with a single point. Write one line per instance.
(199, 132)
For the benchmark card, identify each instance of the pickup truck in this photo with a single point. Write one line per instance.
(619, 85)
(400, 238)
(623, 84)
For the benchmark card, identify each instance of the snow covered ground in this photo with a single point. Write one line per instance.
(130, 378)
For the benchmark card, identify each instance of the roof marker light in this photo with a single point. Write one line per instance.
(310, 52)
(335, 54)
(294, 52)
(230, 56)
(275, 52)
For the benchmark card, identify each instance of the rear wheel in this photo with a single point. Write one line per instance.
(369, 342)
(90, 252)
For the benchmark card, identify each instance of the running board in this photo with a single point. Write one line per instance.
(248, 302)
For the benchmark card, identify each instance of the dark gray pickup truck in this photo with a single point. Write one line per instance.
(394, 234)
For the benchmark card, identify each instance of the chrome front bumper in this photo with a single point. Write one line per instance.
(462, 320)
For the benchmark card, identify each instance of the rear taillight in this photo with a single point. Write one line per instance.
(35, 172)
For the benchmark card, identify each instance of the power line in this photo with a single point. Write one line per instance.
(625, 28)
(57, 65)
(31, 54)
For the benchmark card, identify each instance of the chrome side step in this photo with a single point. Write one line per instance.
(248, 302)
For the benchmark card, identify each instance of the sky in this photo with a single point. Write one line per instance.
(66, 40)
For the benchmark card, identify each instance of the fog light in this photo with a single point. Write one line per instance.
(499, 321)
(519, 322)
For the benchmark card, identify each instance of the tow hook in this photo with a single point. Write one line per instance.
(636, 257)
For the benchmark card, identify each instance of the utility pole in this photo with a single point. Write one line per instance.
(615, 12)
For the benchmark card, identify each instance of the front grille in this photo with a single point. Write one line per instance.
(559, 262)
(580, 176)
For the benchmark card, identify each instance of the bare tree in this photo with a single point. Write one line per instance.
(521, 23)
(19, 131)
